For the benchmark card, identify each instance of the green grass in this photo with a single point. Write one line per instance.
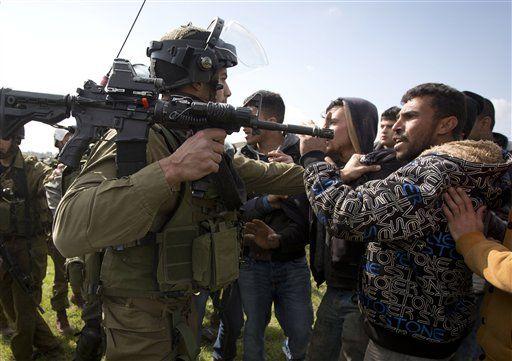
(273, 337)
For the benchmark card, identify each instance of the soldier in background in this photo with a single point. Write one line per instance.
(83, 271)
(59, 300)
(24, 221)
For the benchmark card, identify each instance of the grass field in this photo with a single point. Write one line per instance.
(273, 337)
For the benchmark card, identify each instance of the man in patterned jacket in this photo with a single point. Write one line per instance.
(415, 288)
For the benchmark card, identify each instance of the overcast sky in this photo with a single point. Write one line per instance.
(318, 51)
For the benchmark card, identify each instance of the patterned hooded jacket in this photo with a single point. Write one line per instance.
(415, 288)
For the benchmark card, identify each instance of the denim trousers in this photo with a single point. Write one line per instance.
(338, 333)
(287, 285)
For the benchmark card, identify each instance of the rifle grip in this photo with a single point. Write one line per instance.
(72, 153)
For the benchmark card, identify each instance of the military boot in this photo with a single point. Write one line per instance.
(63, 324)
(90, 344)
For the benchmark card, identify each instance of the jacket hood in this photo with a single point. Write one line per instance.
(362, 123)
(484, 167)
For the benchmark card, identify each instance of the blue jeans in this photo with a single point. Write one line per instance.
(338, 333)
(469, 350)
(231, 323)
(287, 285)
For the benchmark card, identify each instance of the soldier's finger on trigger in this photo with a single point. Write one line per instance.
(217, 147)
(216, 157)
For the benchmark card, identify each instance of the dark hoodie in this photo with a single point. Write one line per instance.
(416, 291)
(338, 262)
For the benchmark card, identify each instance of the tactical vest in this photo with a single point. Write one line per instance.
(18, 217)
(199, 247)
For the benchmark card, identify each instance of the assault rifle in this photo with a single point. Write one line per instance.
(129, 104)
(22, 279)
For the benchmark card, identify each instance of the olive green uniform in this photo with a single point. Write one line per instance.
(103, 211)
(26, 243)
(59, 300)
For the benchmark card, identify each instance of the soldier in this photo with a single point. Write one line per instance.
(162, 240)
(24, 219)
(83, 271)
(59, 300)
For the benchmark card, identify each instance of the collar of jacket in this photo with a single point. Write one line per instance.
(18, 160)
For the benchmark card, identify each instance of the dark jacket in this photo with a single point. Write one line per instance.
(290, 222)
(416, 291)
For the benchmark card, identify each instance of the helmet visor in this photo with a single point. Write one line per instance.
(249, 50)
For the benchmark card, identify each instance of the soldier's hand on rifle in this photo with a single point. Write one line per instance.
(197, 157)
(261, 234)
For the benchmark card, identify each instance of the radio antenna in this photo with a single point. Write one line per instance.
(105, 77)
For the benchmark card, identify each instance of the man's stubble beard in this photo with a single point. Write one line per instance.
(10, 152)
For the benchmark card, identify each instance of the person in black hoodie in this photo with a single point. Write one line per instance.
(275, 270)
(338, 326)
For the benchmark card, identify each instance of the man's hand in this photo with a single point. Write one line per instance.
(460, 213)
(309, 143)
(262, 235)
(197, 157)
(354, 169)
(279, 156)
(56, 173)
(275, 200)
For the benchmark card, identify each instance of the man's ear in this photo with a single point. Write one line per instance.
(446, 125)
(197, 86)
(485, 122)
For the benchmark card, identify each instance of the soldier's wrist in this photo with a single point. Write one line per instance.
(172, 173)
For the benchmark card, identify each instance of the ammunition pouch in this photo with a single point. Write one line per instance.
(5, 217)
(188, 261)
(13, 216)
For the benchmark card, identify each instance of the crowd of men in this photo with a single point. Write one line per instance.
(405, 218)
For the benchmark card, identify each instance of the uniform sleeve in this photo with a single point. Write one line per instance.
(269, 178)
(100, 210)
(40, 175)
(397, 208)
(489, 259)
(36, 180)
